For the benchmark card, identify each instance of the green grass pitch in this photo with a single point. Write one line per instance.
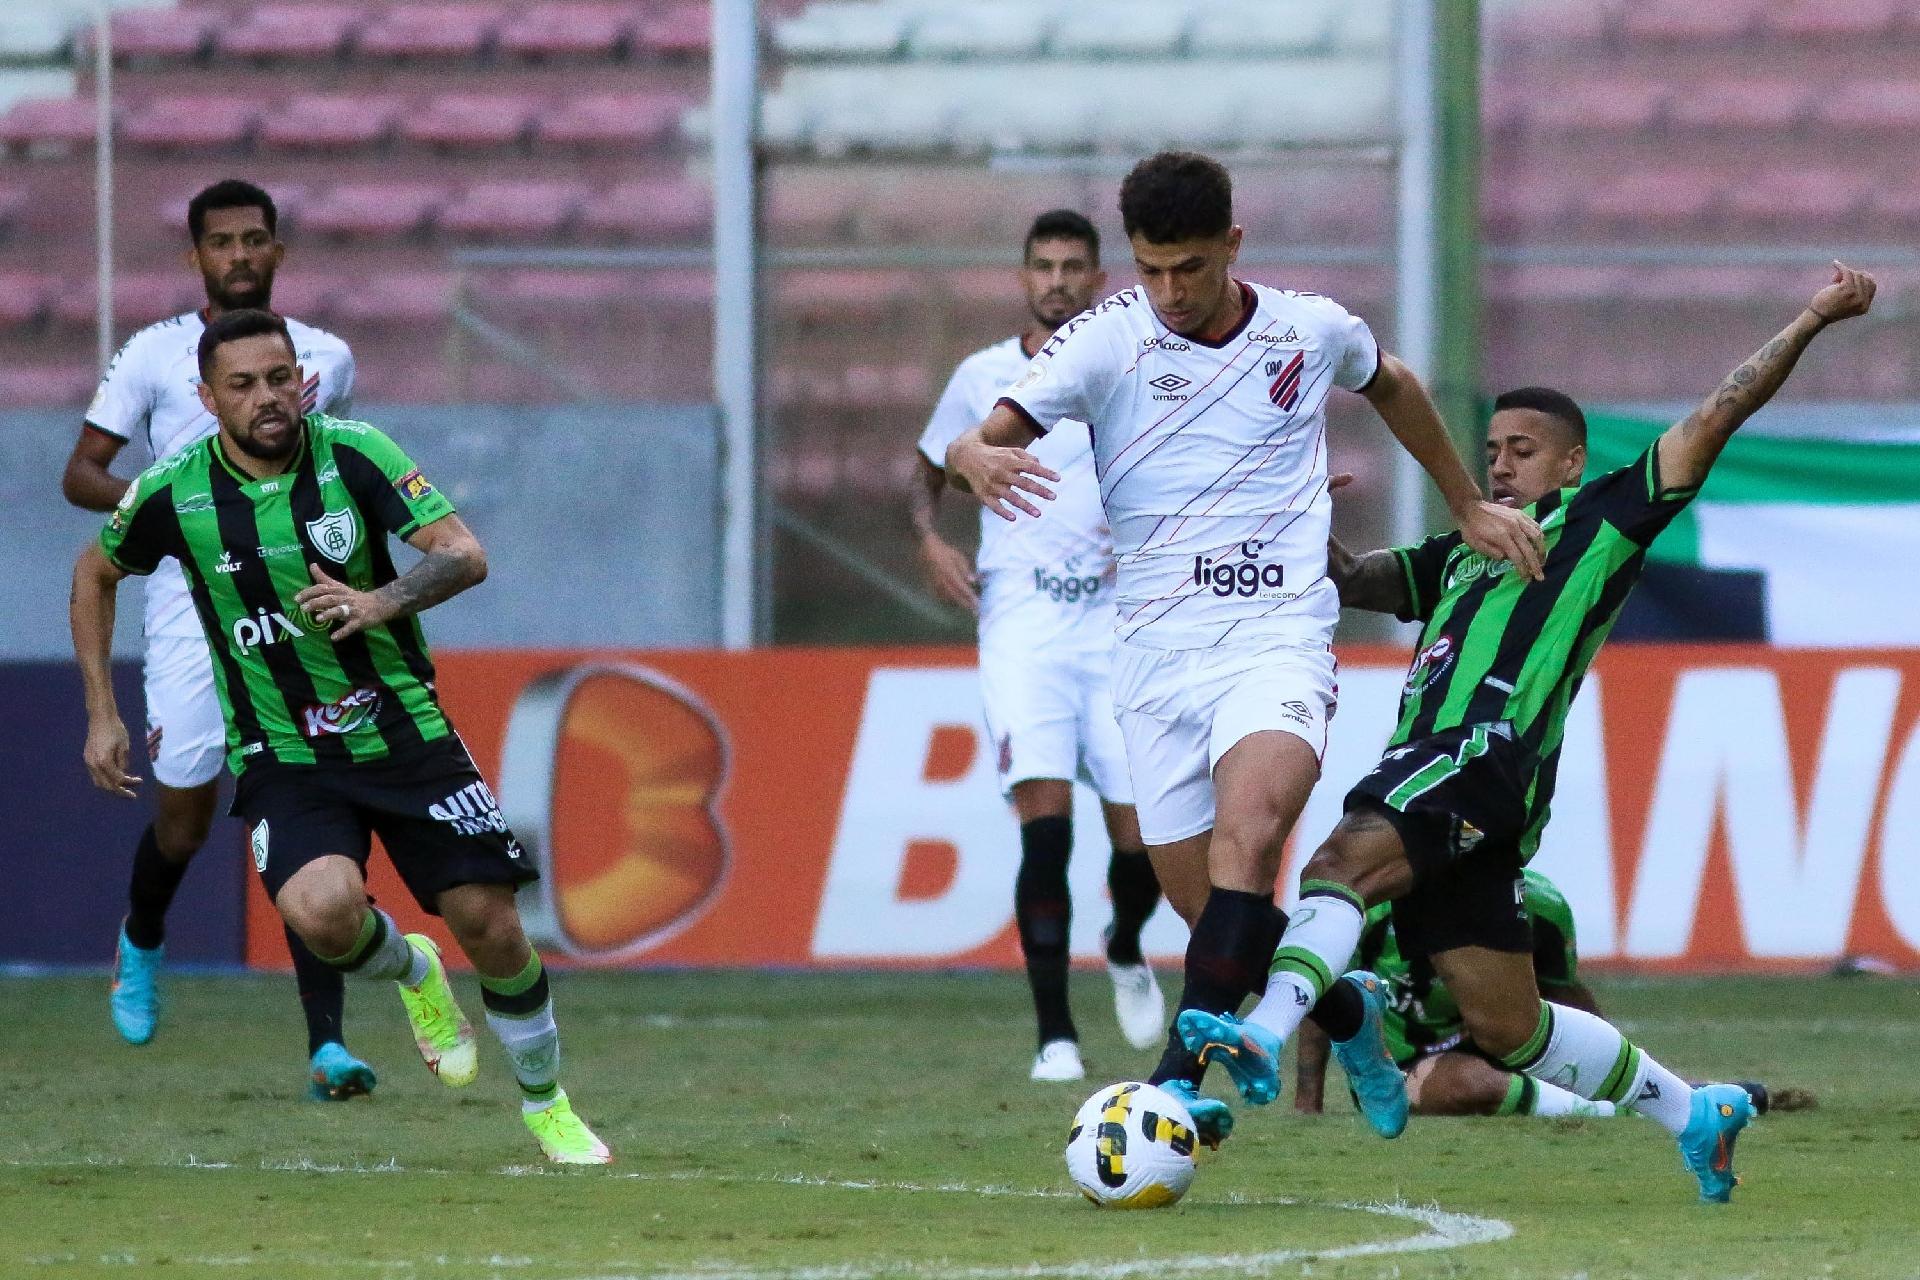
(796, 1127)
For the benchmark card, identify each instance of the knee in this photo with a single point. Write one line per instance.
(488, 929)
(180, 836)
(1501, 1030)
(327, 918)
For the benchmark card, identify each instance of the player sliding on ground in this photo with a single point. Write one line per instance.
(1044, 593)
(1445, 823)
(334, 731)
(1447, 1074)
(1207, 397)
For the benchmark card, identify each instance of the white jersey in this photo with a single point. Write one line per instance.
(1056, 571)
(1212, 460)
(151, 392)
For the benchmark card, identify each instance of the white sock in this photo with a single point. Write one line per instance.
(1321, 936)
(1585, 1055)
(381, 951)
(532, 1043)
(419, 965)
(1552, 1100)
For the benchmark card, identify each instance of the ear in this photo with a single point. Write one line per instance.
(1576, 463)
(206, 398)
(1234, 236)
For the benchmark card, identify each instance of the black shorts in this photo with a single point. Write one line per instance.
(435, 815)
(1457, 801)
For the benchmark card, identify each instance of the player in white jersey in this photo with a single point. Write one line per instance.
(150, 393)
(1044, 595)
(1206, 399)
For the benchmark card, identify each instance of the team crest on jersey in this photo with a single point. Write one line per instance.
(1470, 566)
(334, 535)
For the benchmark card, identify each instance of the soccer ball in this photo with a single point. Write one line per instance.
(1131, 1147)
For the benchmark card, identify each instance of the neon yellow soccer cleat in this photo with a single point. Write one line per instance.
(564, 1136)
(443, 1033)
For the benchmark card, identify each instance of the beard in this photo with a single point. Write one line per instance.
(254, 447)
(253, 292)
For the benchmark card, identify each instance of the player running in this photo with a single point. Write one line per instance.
(150, 391)
(1044, 595)
(1447, 1074)
(333, 729)
(1444, 825)
(1206, 400)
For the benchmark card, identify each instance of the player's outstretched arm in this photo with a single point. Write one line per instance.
(991, 462)
(1374, 581)
(1497, 532)
(1690, 447)
(944, 565)
(90, 610)
(451, 561)
(86, 482)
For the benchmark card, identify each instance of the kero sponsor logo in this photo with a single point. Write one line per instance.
(355, 711)
(471, 810)
(1429, 665)
(263, 629)
(1246, 577)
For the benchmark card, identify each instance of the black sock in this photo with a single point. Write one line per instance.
(155, 877)
(1227, 955)
(1042, 907)
(323, 993)
(1136, 892)
(1339, 1012)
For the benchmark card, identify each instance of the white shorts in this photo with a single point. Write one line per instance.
(1050, 715)
(184, 710)
(1182, 709)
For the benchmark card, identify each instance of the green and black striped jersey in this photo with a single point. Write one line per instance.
(1498, 649)
(290, 692)
(1421, 1011)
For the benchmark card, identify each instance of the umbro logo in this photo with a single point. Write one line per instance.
(1169, 382)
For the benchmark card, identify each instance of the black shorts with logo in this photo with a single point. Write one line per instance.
(1459, 805)
(436, 817)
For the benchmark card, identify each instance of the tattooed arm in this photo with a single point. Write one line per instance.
(1374, 581)
(1690, 447)
(452, 561)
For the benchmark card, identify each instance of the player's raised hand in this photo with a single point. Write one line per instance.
(337, 606)
(1000, 477)
(1502, 533)
(106, 757)
(1850, 294)
(949, 573)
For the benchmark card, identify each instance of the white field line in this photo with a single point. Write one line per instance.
(1443, 1230)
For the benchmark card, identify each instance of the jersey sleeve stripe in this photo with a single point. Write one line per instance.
(1021, 409)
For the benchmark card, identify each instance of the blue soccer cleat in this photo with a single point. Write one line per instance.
(1378, 1085)
(1248, 1051)
(134, 996)
(1720, 1112)
(335, 1075)
(1212, 1118)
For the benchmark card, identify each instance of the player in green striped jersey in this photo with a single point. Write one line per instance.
(334, 732)
(1444, 825)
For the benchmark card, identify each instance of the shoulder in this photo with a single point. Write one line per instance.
(363, 436)
(164, 472)
(1299, 308)
(314, 342)
(992, 361)
(157, 342)
(1114, 320)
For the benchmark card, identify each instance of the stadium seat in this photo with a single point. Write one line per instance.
(1718, 286)
(308, 295)
(1769, 103)
(1255, 28)
(23, 299)
(191, 122)
(649, 212)
(842, 296)
(48, 126)
(374, 210)
(13, 202)
(1529, 206)
(1879, 107)
(607, 121)
(1119, 29)
(430, 32)
(513, 209)
(139, 299)
(804, 208)
(572, 291)
(989, 29)
(46, 386)
(332, 122)
(471, 121)
(1804, 20)
(1644, 200)
(1597, 106)
(396, 300)
(144, 37)
(580, 31)
(1897, 205)
(281, 33)
(1817, 202)
(1555, 285)
(1705, 22)
(170, 215)
(1550, 26)
(840, 29)
(683, 32)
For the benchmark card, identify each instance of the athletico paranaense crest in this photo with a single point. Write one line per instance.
(334, 535)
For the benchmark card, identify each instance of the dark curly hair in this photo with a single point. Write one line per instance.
(1176, 195)
(229, 193)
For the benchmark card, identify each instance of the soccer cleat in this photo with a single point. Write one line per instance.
(134, 997)
(1212, 1118)
(1249, 1052)
(564, 1136)
(1138, 1004)
(334, 1075)
(443, 1033)
(1720, 1112)
(1378, 1085)
(1058, 1060)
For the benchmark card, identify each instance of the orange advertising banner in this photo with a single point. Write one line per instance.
(1719, 808)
